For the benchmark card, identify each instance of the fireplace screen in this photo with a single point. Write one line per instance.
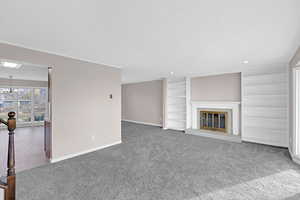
(213, 120)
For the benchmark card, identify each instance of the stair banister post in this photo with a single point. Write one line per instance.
(11, 174)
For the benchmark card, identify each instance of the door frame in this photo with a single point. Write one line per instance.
(296, 113)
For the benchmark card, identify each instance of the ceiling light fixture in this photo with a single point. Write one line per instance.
(10, 64)
(172, 73)
(245, 62)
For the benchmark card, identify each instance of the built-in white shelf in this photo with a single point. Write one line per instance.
(263, 117)
(265, 108)
(272, 89)
(176, 81)
(264, 84)
(269, 112)
(178, 128)
(177, 86)
(176, 101)
(174, 112)
(177, 120)
(177, 97)
(264, 79)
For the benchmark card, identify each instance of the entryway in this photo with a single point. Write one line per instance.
(24, 90)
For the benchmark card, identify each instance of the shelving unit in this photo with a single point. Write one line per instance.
(265, 108)
(176, 103)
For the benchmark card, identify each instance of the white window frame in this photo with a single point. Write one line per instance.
(32, 122)
(296, 107)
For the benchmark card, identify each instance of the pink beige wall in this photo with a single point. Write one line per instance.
(225, 87)
(143, 102)
(84, 118)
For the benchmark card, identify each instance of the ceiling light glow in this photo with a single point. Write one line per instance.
(9, 64)
(245, 62)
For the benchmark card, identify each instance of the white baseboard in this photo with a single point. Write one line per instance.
(54, 160)
(144, 123)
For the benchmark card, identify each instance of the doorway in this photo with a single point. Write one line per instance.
(24, 90)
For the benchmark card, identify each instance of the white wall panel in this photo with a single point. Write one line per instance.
(266, 101)
(265, 79)
(265, 89)
(265, 136)
(265, 106)
(265, 112)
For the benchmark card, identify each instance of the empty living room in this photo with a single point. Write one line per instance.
(150, 100)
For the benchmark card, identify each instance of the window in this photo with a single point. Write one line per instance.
(7, 106)
(30, 104)
(24, 111)
(40, 104)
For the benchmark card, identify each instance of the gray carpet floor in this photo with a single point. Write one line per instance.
(155, 164)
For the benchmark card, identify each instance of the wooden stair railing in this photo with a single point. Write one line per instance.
(9, 182)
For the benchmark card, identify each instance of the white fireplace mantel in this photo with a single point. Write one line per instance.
(234, 106)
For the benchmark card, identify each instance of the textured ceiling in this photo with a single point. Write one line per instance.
(149, 39)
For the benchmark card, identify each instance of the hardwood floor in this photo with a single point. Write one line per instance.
(29, 146)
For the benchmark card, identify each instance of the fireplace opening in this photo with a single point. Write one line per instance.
(214, 121)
